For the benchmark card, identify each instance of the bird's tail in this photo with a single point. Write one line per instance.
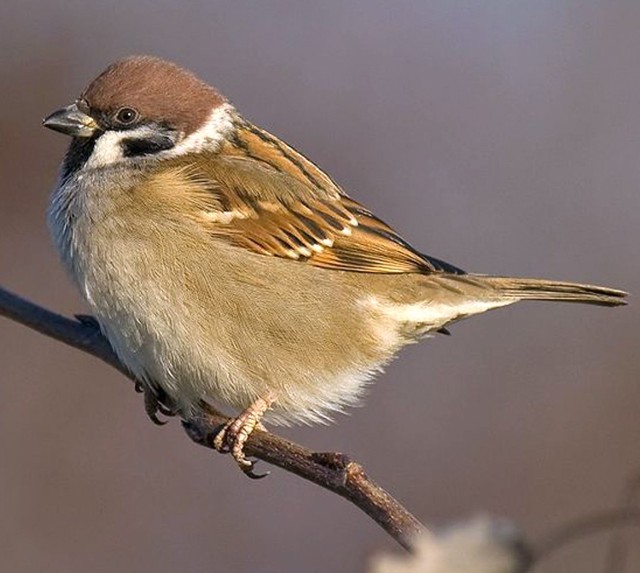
(542, 289)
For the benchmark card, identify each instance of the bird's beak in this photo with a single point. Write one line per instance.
(71, 121)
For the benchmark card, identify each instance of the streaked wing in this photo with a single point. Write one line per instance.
(262, 195)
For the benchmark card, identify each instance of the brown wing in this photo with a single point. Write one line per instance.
(264, 196)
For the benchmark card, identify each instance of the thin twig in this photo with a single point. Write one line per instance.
(584, 526)
(332, 471)
(618, 550)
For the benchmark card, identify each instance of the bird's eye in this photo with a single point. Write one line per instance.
(126, 116)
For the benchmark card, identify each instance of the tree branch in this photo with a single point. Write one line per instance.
(332, 471)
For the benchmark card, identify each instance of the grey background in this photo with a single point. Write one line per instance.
(502, 136)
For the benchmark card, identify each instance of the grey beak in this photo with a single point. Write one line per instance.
(71, 121)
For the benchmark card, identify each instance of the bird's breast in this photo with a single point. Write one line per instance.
(205, 318)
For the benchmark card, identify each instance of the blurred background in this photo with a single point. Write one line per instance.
(502, 136)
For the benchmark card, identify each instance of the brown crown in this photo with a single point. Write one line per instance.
(159, 90)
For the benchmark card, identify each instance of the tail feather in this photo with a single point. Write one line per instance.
(541, 289)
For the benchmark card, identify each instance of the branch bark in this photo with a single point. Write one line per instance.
(332, 471)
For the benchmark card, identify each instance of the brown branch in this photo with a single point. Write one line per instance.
(332, 471)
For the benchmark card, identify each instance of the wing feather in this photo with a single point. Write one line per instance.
(262, 195)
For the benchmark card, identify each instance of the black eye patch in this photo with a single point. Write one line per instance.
(150, 144)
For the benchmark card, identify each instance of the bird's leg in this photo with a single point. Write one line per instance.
(235, 433)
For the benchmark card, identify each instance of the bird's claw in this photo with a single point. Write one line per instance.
(153, 406)
(233, 436)
(251, 474)
(231, 440)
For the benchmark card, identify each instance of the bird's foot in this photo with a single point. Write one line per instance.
(155, 404)
(234, 434)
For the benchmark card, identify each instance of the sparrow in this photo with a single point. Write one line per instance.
(226, 269)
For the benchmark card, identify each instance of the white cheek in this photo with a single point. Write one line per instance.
(107, 149)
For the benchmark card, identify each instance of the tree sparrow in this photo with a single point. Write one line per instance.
(224, 266)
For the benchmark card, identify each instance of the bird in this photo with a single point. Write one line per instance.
(227, 269)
